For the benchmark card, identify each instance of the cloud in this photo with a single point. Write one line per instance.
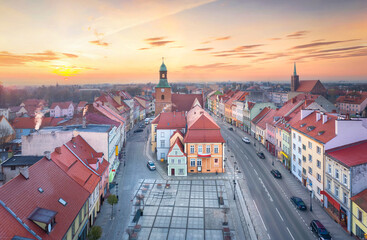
(99, 43)
(318, 44)
(217, 39)
(144, 48)
(7, 58)
(245, 47)
(271, 56)
(203, 49)
(298, 34)
(356, 51)
(237, 50)
(274, 39)
(98, 34)
(177, 47)
(342, 49)
(157, 41)
(70, 55)
(214, 66)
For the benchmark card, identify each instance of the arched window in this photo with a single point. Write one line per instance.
(162, 97)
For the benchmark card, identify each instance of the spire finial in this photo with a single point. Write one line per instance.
(295, 72)
(162, 60)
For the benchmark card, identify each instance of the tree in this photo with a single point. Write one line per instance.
(95, 233)
(6, 135)
(112, 200)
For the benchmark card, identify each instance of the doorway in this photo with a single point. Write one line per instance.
(172, 172)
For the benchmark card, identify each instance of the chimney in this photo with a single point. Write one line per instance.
(47, 155)
(324, 118)
(318, 116)
(84, 123)
(24, 171)
(58, 150)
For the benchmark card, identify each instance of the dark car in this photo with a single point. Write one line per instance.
(138, 130)
(298, 202)
(151, 165)
(320, 230)
(230, 129)
(276, 173)
(260, 155)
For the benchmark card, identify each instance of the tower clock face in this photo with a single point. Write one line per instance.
(162, 90)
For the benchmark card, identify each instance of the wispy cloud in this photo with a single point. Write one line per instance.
(274, 39)
(99, 43)
(70, 55)
(298, 34)
(157, 41)
(144, 48)
(323, 43)
(7, 58)
(336, 53)
(203, 49)
(214, 66)
(216, 39)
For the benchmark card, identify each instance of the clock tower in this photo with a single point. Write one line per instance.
(163, 92)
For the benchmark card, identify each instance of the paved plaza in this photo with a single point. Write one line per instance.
(187, 209)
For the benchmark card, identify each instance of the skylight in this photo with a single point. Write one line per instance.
(320, 133)
(40, 190)
(63, 202)
(310, 128)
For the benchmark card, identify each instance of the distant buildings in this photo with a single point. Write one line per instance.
(352, 103)
(62, 109)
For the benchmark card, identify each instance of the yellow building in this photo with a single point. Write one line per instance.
(359, 215)
(153, 133)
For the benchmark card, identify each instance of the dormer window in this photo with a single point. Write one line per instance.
(44, 218)
(320, 133)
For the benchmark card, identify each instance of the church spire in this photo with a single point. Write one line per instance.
(294, 72)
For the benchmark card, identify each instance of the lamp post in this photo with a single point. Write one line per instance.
(273, 161)
(310, 200)
(234, 180)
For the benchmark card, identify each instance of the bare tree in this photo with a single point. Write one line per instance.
(6, 135)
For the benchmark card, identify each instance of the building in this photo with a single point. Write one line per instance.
(166, 101)
(17, 111)
(305, 86)
(204, 144)
(176, 157)
(102, 138)
(345, 173)
(168, 123)
(81, 106)
(359, 215)
(7, 132)
(62, 109)
(12, 167)
(352, 103)
(261, 126)
(26, 125)
(5, 112)
(255, 131)
(41, 207)
(250, 111)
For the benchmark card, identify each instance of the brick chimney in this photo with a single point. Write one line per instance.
(324, 119)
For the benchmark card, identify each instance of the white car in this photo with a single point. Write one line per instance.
(246, 140)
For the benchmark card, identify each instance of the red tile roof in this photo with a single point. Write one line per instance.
(259, 116)
(62, 105)
(179, 144)
(268, 118)
(82, 104)
(306, 85)
(183, 102)
(29, 122)
(177, 132)
(22, 197)
(17, 229)
(251, 105)
(321, 132)
(204, 136)
(33, 102)
(156, 119)
(361, 200)
(172, 120)
(351, 154)
(352, 98)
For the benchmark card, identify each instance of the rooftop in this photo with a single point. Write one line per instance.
(20, 160)
(78, 127)
(361, 200)
(171, 120)
(351, 154)
(184, 102)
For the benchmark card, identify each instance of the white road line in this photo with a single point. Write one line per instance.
(246, 157)
(251, 164)
(256, 172)
(290, 233)
(269, 236)
(260, 215)
(279, 214)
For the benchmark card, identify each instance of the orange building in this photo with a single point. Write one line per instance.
(204, 144)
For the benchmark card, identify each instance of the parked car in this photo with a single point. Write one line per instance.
(142, 126)
(151, 165)
(246, 140)
(260, 155)
(298, 202)
(320, 230)
(276, 173)
(138, 130)
(230, 129)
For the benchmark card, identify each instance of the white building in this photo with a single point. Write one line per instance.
(62, 109)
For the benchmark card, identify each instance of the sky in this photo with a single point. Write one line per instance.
(123, 41)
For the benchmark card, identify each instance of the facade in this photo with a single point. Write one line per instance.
(250, 111)
(176, 158)
(359, 215)
(352, 103)
(5, 112)
(62, 109)
(255, 130)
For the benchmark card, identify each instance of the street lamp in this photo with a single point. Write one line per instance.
(310, 200)
(273, 161)
(234, 191)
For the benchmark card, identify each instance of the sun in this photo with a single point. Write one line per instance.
(66, 71)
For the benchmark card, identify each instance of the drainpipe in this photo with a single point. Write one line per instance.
(350, 203)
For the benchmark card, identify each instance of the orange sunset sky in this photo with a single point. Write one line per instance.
(122, 41)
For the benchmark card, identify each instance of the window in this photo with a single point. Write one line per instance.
(344, 179)
(175, 153)
(329, 168)
(294, 157)
(162, 134)
(299, 162)
(310, 145)
(310, 170)
(328, 184)
(294, 135)
(294, 168)
(163, 155)
(192, 162)
(199, 162)
(299, 173)
(299, 150)
(180, 171)
(12, 168)
(304, 158)
(216, 149)
(172, 161)
(309, 158)
(359, 215)
(303, 147)
(179, 161)
(304, 171)
(192, 149)
(299, 138)
(207, 148)
(337, 191)
(318, 150)
(200, 149)
(345, 198)
(319, 177)
(318, 190)
(294, 146)
(216, 161)
(318, 164)
(162, 97)
(162, 143)
(337, 174)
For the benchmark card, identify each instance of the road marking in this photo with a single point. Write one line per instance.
(269, 236)
(251, 164)
(260, 215)
(256, 172)
(246, 157)
(290, 233)
(266, 190)
(279, 214)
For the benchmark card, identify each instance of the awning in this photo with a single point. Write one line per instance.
(331, 200)
(204, 155)
(285, 155)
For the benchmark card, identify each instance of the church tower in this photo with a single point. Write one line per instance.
(163, 92)
(294, 80)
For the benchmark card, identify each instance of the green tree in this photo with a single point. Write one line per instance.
(112, 199)
(95, 233)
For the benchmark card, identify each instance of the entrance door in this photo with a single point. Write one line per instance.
(172, 172)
